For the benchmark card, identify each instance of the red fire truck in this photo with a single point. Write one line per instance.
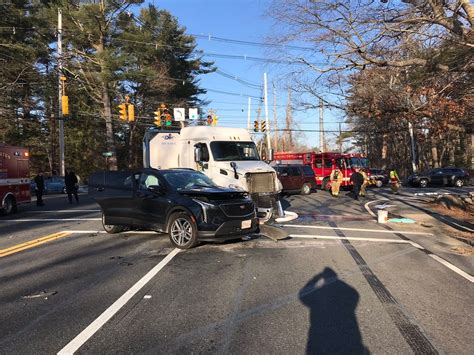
(14, 178)
(323, 163)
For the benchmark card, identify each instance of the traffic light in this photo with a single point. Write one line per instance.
(65, 105)
(123, 111)
(131, 112)
(209, 120)
(264, 126)
(158, 121)
(168, 118)
(255, 126)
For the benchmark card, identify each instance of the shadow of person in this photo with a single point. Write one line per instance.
(332, 304)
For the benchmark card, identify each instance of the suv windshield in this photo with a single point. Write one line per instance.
(228, 151)
(180, 180)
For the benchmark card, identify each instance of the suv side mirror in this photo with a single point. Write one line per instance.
(156, 189)
(197, 154)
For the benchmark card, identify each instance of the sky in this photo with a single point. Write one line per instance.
(245, 20)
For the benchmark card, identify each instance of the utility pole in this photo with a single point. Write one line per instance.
(289, 122)
(275, 119)
(248, 114)
(413, 151)
(62, 169)
(340, 139)
(265, 99)
(321, 126)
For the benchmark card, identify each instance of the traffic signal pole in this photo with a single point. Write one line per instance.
(62, 169)
(248, 114)
(265, 101)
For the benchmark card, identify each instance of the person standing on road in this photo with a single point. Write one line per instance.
(336, 179)
(364, 184)
(71, 186)
(39, 188)
(394, 181)
(357, 179)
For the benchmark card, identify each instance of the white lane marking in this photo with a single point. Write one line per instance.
(398, 241)
(383, 240)
(354, 229)
(62, 211)
(50, 219)
(104, 232)
(452, 267)
(366, 206)
(87, 333)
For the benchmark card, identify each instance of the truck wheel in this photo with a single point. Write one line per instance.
(306, 189)
(423, 183)
(182, 231)
(326, 184)
(9, 206)
(111, 228)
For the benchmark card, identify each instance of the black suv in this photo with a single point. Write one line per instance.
(182, 202)
(441, 176)
(379, 176)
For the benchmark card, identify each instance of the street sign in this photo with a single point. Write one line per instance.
(179, 114)
(107, 154)
(193, 114)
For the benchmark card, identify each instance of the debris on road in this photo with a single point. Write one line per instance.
(401, 220)
(42, 294)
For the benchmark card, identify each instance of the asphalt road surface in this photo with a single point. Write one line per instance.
(340, 283)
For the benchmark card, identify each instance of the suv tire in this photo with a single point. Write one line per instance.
(458, 183)
(378, 183)
(423, 183)
(326, 185)
(305, 189)
(111, 228)
(182, 231)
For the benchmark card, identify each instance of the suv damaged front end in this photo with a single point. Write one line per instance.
(222, 214)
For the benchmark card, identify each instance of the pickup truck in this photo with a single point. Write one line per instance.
(182, 202)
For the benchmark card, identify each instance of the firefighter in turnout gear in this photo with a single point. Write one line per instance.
(336, 179)
(364, 185)
(394, 181)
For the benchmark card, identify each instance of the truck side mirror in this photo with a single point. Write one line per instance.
(197, 154)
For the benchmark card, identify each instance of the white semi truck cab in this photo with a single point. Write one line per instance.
(227, 155)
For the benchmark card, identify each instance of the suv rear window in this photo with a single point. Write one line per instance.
(308, 171)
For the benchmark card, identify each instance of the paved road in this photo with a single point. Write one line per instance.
(339, 283)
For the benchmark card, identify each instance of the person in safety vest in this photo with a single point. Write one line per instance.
(336, 179)
(394, 181)
(365, 183)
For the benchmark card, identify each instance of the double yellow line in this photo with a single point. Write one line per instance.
(32, 243)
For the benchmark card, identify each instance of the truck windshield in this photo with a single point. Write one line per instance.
(228, 151)
(183, 180)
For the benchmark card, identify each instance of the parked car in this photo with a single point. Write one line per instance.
(442, 176)
(182, 202)
(296, 178)
(55, 184)
(379, 176)
(52, 185)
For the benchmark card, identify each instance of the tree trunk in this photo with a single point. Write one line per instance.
(109, 129)
(434, 154)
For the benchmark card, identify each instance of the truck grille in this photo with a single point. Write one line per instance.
(238, 209)
(261, 182)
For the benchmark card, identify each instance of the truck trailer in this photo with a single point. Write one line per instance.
(226, 155)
